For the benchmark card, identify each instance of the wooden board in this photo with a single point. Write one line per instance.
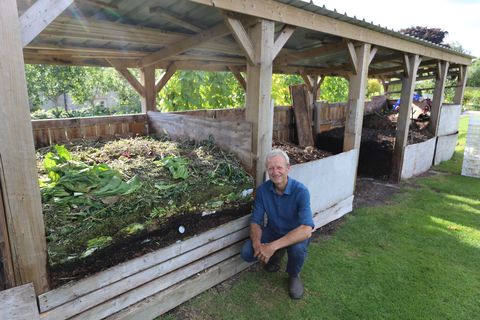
(148, 281)
(19, 303)
(234, 136)
(128, 298)
(303, 118)
(166, 300)
(71, 291)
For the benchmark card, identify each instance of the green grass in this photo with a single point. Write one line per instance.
(415, 258)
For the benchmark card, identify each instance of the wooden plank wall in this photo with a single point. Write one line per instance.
(129, 283)
(328, 116)
(49, 132)
(283, 119)
(235, 136)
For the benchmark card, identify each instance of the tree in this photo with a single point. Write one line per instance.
(473, 74)
(334, 89)
(435, 35)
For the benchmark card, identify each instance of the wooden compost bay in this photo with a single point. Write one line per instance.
(250, 38)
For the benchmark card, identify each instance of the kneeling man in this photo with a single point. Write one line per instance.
(286, 202)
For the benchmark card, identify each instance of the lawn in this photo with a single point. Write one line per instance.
(417, 257)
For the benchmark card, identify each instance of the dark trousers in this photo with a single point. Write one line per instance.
(296, 252)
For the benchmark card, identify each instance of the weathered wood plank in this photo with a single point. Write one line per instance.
(303, 117)
(168, 299)
(234, 136)
(70, 291)
(438, 96)
(87, 121)
(22, 203)
(19, 303)
(134, 296)
(403, 122)
(7, 277)
(258, 100)
(38, 17)
(106, 293)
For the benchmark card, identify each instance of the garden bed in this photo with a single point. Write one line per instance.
(113, 201)
(378, 139)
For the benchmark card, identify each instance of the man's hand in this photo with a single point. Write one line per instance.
(265, 253)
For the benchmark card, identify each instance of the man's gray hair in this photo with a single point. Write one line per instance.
(277, 152)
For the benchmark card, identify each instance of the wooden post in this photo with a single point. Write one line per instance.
(438, 95)
(259, 108)
(149, 98)
(403, 123)
(356, 97)
(461, 81)
(7, 277)
(18, 175)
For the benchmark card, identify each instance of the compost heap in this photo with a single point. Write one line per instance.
(101, 197)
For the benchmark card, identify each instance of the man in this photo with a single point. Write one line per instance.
(286, 203)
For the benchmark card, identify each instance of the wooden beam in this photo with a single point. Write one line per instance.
(19, 176)
(373, 52)
(276, 11)
(307, 80)
(169, 72)
(403, 122)
(240, 34)
(238, 76)
(127, 75)
(7, 276)
(259, 106)
(356, 99)
(311, 53)
(438, 95)
(218, 31)
(285, 34)
(39, 16)
(175, 18)
(100, 4)
(353, 57)
(461, 82)
(148, 100)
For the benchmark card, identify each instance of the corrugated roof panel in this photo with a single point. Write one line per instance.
(334, 14)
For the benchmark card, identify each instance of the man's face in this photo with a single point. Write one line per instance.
(277, 169)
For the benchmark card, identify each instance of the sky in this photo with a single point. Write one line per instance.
(461, 18)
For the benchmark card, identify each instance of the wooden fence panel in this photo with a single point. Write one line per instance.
(48, 132)
(235, 136)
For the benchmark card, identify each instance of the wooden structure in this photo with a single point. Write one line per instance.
(256, 37)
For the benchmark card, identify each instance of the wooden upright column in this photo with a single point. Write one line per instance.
(438, 95)
(259, 107)
(18, 174)
(403, 123)
(460, 89)
(148, 99)
(356, 97)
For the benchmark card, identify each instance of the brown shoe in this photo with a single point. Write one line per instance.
(295, 287)
(273, 264)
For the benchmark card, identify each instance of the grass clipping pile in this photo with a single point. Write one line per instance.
(101, 197)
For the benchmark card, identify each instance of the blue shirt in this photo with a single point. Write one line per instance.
(285, 212)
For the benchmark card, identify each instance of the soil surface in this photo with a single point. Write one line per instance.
(143, 243)
(378, 139)
(300, 155)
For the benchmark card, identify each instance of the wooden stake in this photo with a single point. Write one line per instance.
(22, 203)
(356, 98)
(148, 81)
(403, 122)
(259, 106)
(438, 95)
(461, 81)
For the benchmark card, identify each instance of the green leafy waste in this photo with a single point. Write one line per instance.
(68, 179)
(121, 188)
